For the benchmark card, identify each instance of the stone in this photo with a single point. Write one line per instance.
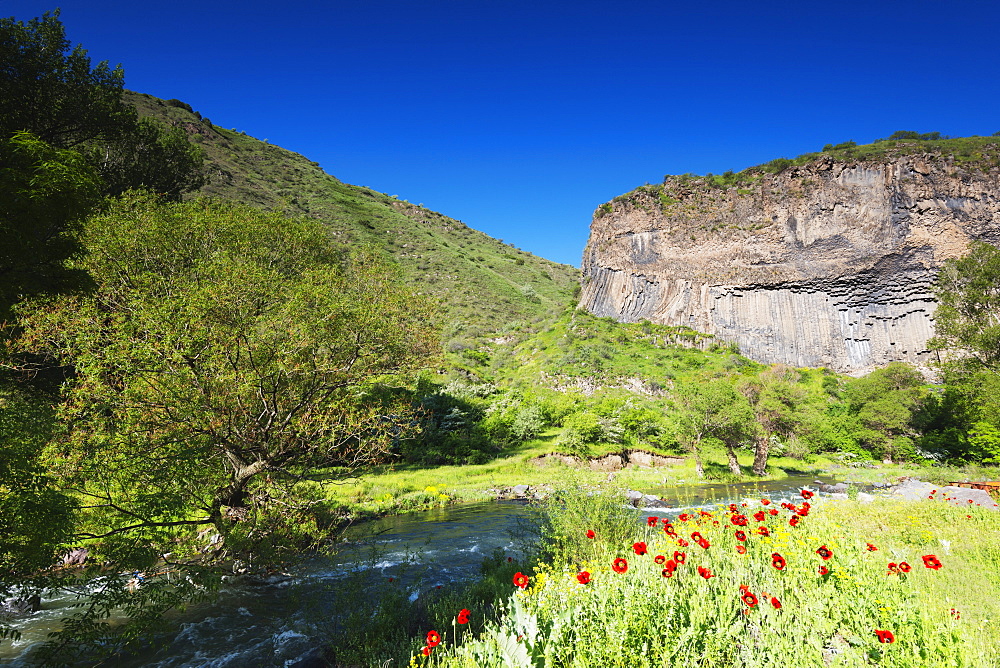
(865, 497)
(520, 491)
(838, 488)
(607, 463)
(650, 501)
(965, 496)
(828, 264)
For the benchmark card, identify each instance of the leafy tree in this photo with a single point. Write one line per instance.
(225, 356)
(885, 403)
(49, 89)
(714, 409)
(774, 396)
(968, 313)
(45, 193)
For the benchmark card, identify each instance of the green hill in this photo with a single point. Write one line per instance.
(483, 284)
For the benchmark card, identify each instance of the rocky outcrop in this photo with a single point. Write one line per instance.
(825, 264)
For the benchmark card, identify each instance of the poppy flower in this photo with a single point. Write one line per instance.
(904, 567)
(956, 614)
(872, 548)
(683, 517)
(740, 536)
(930, 561)
(669, 530)
(671, 566)
(885, 636)
(521, 580)
(794, 521)
(425, 650)
(704, 572)
(893, 568)
(824, 552)
(433, 638)
(807, 494)
(583, 577)
(682, 542)
(773, 511)
(748, 598)
(823, 570)
(652, 520)
(659, 559)
(704, 544)
(759, 515)
(619, 565)
(741, 549)
(733, 507)
(778, 561)
(463, 616)
(739, 520)
(802, 512)
(763, 531)
(591, 534)
(696, 536)
(765, 502)
(639, 548)
(679, 557)
(776, 603)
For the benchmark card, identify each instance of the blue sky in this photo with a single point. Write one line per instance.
(520, 118)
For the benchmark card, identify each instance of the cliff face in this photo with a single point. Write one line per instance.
(823, 264)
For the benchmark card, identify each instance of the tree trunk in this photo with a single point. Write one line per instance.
(734, 464)
(699, 469)
(760, 455)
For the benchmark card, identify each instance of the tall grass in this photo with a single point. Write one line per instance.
(943, 617)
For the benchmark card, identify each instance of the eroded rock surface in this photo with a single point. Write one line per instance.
(826, 264)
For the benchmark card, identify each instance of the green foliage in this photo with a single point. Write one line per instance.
(968, 313)
(50, 90)
(885, 403)
(45, 193)
(225, 355)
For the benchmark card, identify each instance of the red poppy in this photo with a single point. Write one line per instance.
(683, 517)
(759, 515)
(652, 520)
(765, 502)
(619, 565)
(659, 559)
(824, 552)
(778, 561)
(591, 534)
(669, 570)
(696, 536)
(739, 520)
(776, 603)
(930, 561)
(682, 542)
(956, 614)
(521, 580)
(904, 567)
(741, 549)
(893, 568)
(704, 544)
(872, 548)
(679, 557)
(425, 650)
(807, 494)
(433, 638)
(794, 521)
(733, 507)
(740, 536)
(669, 530)
(885, 636)
(823, 570)
(763, 531)
(748, 598)
(802, 512)
(583, 577)
(639, 548)
(463, 616)
(704, 572)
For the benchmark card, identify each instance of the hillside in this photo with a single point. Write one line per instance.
(483, 284)
(821, 260)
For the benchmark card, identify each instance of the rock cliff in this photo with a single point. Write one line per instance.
(827, 263)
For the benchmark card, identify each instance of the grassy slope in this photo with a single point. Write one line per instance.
(484, 284)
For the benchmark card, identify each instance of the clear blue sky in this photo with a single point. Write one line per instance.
(520, 118)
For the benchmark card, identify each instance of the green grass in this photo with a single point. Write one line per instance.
(641, 618)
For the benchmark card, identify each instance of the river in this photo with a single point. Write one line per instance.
(278, 622)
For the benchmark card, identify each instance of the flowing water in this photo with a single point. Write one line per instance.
(278, 622)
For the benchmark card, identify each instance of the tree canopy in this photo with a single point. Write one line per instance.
(968, 313)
